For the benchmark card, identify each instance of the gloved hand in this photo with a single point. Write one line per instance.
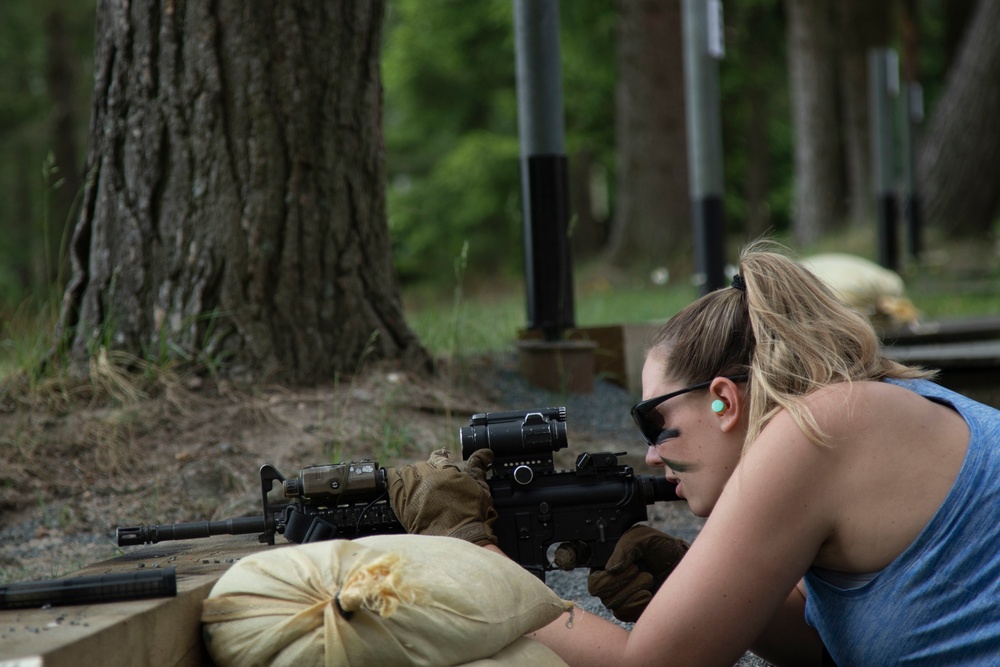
(642, 560)
(438, 498)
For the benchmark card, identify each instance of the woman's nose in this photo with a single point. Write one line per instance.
(652, 458)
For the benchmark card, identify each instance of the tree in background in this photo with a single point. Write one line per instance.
(756, 123)
(61, 75)
(452, 139)
(45, 50)
(451, 127)
(652, 222)
(451, 136)
(818, 207)
(861, 26)
(962, 142)
(235, 206)
(590, 73)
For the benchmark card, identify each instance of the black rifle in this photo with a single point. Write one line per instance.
(548, 519)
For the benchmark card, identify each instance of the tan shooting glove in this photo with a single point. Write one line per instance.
(641, 562)
(438, 498)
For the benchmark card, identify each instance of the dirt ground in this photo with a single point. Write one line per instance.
(78, 461)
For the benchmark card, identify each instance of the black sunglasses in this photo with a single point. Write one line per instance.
(651, 425)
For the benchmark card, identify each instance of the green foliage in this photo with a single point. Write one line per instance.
(26, 136)
(451, 122)
(25, 338)
(451, 134)
(451, 126)
(754, 72)
(489, 321)
(470, 195)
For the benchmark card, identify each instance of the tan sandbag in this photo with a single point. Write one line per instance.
(524, 652)
(874, 290)
(382, 600)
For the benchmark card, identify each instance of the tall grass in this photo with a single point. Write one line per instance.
(26, 337)
(490, 320)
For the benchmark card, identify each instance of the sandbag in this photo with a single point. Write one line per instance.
(874, 290)
(381, 600)
(523, 652)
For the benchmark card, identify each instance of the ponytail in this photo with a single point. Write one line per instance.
(786, 329)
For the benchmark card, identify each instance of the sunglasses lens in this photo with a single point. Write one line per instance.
(650, 423)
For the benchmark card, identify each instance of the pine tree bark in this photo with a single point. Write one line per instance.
(652, 217)
(960, 156)
(235, 202)
(812, 85)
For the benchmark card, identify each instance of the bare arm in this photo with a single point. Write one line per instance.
(787, 639)
(731, 592)
(584, 640)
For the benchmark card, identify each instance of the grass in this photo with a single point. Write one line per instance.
(486, 314)
(26, 336)
(483, 315)
(489, 320)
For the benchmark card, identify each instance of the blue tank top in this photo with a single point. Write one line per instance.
(938, 603)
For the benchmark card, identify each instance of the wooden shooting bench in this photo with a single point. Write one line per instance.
(156, 632)
(965, 351)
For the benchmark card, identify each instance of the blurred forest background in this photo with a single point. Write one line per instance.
(795, 133)
(215, 215)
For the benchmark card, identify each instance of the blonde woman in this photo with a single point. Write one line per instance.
(853, 505)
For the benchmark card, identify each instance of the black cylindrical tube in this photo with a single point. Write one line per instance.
(133, 535)
(710, 241)
(888, 246)
(90, 589)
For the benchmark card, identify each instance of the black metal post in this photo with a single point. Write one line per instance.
(544, 174)
(883, 75)
(703, 47)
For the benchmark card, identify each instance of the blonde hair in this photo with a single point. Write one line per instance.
(786, 330)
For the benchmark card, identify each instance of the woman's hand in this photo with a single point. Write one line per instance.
(641, 562)
(437, 498)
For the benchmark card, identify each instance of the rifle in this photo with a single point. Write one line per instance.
(547, 519)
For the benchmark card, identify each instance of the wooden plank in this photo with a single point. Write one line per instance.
(983, 353)
(984, 327)
(155, 632)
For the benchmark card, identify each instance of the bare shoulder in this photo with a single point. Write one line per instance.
(855, 412)
(883, 446)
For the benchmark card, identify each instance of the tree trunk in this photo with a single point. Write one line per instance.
(812, 86)
(960, 156)
(235, 205)
(759, 28)
(957, 18)
(587, 226)
(652, 219)
(862, 25)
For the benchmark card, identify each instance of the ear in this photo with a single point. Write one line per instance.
(728, 392)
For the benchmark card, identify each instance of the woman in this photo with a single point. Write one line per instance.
(852, 504)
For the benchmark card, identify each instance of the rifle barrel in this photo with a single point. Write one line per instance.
(151, 534)
(662, 489)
